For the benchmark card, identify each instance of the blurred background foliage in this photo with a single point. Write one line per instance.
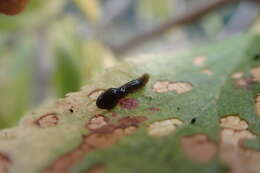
(55, 47)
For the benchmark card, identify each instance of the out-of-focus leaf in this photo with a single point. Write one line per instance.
(96, 58)
(212, 25)
(90, 56)
(76, 136)
(12, 7)
(36, 13)
(256, 26)
(16, 93)
(66, 75)
(154, 9)
(67, 55)
(91, 8)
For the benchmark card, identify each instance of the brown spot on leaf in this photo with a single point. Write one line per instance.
(104, 140)
(131, 121)
(130, 130)
(98, 168)
(12, 7)
(165, 127)
(199, 61)
(255, 72)
(105, 129)
(257, 103)
(198, 147)
(93, 95)
(47, 120)
(5, 163)
(100, 138)
(114, 114)
(128, 103)
(166, 86)
(156, 109)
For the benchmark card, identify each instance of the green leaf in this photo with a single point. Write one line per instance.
(152, 8)
(159, 133)
(15, 94)
(67, 75)
(27, 20)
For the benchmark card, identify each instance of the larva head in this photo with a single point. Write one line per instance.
(108, 99)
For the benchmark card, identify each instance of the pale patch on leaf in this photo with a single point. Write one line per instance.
(161, 86)
(243, 82)
(199, 61)
(198, 147)
(233, 122)
(180, 87)
(166, 86)
(257, 104)
(234, 131)
(207, 72)
(8, 134)
(97, 122)
(232, 137)
(165, 127)
(237, 75)
(255, 72)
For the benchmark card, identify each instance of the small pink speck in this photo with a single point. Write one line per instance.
(154, 109)
(114, 114)
(128, 103)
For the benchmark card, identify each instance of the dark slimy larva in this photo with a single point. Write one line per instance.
(257, 56)
(193, 121)
(110, 98)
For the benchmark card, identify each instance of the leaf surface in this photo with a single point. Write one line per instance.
(192, 116)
